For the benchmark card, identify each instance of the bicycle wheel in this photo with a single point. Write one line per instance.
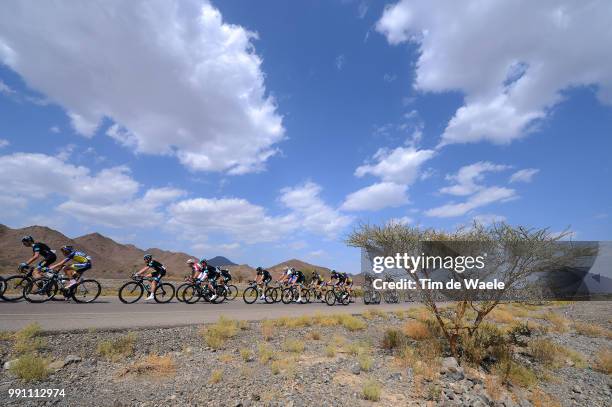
(221, 295)
(270, 295)
(345, 298)
(130, 292)
(179, 291)
(164, 293)
(330, 297)
(13, 288)
(287, 296)
(375, 298)
(250, 295)
(232, 292)
(40, 290)
(86, 291)
(191, 294)
(305, 296)
(1, 286)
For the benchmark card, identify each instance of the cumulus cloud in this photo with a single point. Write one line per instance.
(376, 197)
(467, 177)
(525, 175)
(484, 197)
(314, 214)
(532, 53)
(108, 197)
(172, 76)
(400, 165)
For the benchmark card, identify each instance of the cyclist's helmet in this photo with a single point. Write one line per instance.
(67, 249)
(334, 274)
(191, 261)
(27, 240)
(148, 257)
(259, 269)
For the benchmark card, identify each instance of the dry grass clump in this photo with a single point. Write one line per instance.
(330, 350)
(351, 323)
(293, 345)
(420, 314)
(226, 357)
(371, 390)
(282, 365)
(559, 323)
(592, 330)
(603, 361)
(217, 334)
(30, 367)
(365, 362)
(501, 316)
(374, 313)
(267, 329)
(393, 339)
(552, 354)
(417, 330)
(215, 376)
(152, 365)
(246, 354)
(295, 322)
(515, 374)
(540, 398)
(356, 348)
(118, 348)
(424, 359)
(314, 335)
(28, 339)
(266, 353)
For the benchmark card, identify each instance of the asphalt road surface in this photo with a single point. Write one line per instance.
(110, 313)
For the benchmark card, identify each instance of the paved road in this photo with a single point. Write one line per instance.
(109, 312)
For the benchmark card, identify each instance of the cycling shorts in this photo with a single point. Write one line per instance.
(49, 260)
(158, 274)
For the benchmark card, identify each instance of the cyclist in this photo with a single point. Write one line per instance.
(348, 282)
(227, 277)
(210, 274)
(196, 269)
(316, 281)
(334, 278)
(263, 278)
(81, 262)
(157, 272)
(40, 250)
(287, 275)
(297, 279)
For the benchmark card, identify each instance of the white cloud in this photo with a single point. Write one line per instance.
(4, 143)
(525, 175)
(389, 77)
(237, 218)
(521, 69)
(467, 177)
(108, 197)
(54, 129)
(376, 197)
(173, 77)
(484, 197)
(340, 61)
(6, 89)
(400, 165)
(317, 253)
(314, 214)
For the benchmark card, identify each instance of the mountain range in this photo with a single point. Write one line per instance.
(116, 260)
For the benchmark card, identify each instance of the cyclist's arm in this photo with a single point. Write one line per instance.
(36, 255)
(61, 263)
(142, 270)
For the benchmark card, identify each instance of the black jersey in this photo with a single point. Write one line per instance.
(157, 266)
(43, 250)
(265, 273)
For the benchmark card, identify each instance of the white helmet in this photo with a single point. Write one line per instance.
(191, 261)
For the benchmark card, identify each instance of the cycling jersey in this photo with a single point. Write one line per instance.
(266, 275)
(211, 272)
(341, 278)
(317, 279)
(226, 275)
(158, 269)
(43, 250)
(298, 276)
(79, 257)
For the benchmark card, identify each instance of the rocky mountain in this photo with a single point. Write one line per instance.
(219, 261)
(307, 268)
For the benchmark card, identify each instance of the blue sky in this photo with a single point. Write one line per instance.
(267, 132)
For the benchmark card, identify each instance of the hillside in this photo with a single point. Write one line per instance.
(307, 268)
(219, 261)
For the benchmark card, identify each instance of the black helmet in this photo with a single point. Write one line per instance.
(27, 240)
(148, 257)
(259, 269)
(67, 249)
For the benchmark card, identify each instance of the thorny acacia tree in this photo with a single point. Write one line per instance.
(512, 255)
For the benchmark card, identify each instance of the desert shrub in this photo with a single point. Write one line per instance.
(416, 330)
(516, 374)
(550, 353)
(592, 330)
(28, 339)
(374, 313)
(314, 335)
(217, 334)
(501, 316)
(330, 351)
(118, 348)
(393, 339)
(603, 361)
(433, 392)
(266, 353)
(293, 346)
(486, 346)
(371, 390)
(365, 362)
(215, 376)
(246, 354)
(558, 322)
(267, 329)
(30, 367)
(518, 332)
(152, 365)
(352, 323)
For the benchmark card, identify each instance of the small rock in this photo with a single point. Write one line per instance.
(355, 369)
(576, 389)
(450, 364)
(70, 359)
(395, 376)
(9, 364)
